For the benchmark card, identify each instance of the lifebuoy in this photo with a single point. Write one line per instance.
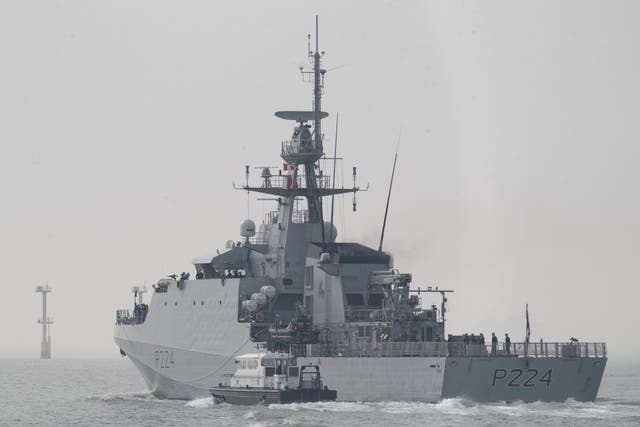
(260, 316)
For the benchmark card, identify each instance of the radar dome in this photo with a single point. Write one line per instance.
(248, 228)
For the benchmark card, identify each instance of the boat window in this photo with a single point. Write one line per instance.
(253, 364)
(269, 371)
(293, 371)
(355, 299)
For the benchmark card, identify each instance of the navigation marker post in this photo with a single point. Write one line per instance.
(45, 346)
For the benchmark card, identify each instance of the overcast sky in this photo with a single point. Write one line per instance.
(124, 123)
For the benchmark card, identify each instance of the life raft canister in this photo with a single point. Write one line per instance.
(260, 316)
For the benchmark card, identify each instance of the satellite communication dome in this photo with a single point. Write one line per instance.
(250, 305)
(268, 290)
(248, 228)
(258, 297)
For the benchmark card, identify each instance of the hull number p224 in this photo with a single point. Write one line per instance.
(164, 359)
(521, 377)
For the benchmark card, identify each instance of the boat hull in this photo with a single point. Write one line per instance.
(261, 396)
(190, 374)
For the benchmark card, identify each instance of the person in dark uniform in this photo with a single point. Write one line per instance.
(465, 339)
(494, 343)
(507, 343)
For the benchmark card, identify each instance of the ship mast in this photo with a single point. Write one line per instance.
(317, 131)
(317, 93)
(305, 148)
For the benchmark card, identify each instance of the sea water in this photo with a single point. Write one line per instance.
(78, 392)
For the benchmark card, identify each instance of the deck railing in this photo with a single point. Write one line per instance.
(286, 181)
(294, 147)
(435, 349)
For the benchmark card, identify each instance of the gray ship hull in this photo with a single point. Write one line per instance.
(185, 374)
(509, 379)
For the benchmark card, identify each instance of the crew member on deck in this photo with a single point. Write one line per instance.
(494, 343)
(507, 343)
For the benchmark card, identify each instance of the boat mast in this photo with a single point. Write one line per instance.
(314, 203)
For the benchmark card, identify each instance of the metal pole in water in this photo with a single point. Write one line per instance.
(45, 346)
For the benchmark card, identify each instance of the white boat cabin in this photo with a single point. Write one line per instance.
(276, 371)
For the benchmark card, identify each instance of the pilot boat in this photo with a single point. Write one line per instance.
(266, 378)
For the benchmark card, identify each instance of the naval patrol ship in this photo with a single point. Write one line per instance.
(290, 286)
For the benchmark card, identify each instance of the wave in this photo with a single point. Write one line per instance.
(121, 397)
(462, 407)
(203, 402)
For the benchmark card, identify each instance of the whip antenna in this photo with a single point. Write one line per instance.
(386, 209)
(333, 180)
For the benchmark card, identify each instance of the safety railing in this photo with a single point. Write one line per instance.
(259, 239)
(368, 315)
(286, 181)
(435, 349)
(293, 147)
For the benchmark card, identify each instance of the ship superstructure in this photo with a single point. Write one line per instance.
(291, 286)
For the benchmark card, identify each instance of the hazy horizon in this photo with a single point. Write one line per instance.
(125, 124)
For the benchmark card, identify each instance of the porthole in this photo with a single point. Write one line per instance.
(175, 303)
(201, 302)
(194, 303)
(165, 303)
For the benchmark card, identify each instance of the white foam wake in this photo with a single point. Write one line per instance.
(203, 402)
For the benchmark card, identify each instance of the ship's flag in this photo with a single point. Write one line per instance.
(290, 170)
(528, 332)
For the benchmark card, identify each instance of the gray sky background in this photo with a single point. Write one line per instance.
(124, 123)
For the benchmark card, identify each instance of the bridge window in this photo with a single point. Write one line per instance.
(355, 299)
